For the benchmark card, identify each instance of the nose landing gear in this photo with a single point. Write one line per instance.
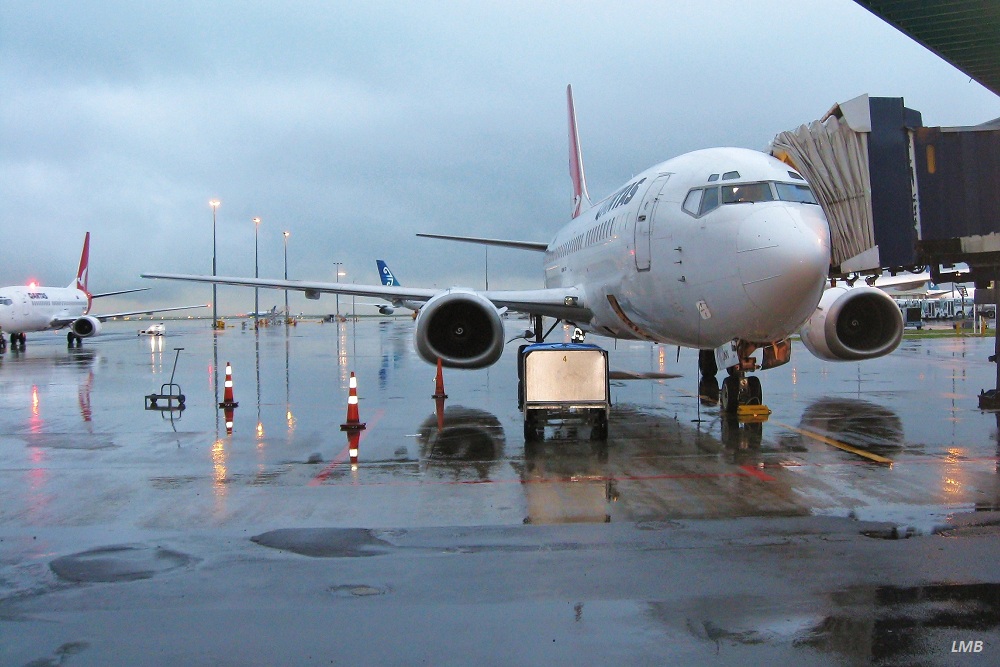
(740, 389)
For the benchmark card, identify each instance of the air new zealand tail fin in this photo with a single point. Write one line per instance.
(386, 275)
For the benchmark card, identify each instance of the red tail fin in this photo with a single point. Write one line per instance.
(81, 274)
(581, 198)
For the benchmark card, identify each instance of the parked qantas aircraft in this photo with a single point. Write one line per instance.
(26, 308)
(724, 250)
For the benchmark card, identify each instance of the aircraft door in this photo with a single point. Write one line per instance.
(25, 305)
(644, 222)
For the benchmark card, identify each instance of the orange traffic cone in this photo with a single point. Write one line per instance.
(352, 423)
(227, 399)
(439, 383)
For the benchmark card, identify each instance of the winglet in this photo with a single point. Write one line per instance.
(581, 198)
(385, 274)
(81, 274)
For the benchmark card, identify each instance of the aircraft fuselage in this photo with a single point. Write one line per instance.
(28, 308)
(657, 263)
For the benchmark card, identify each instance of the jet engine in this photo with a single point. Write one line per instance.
(461, 328)
(852, 324)
(386, 310)
(86, 326)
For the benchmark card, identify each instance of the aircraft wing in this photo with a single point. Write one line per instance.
(59, 322)
(903, 281)
(564, 303)
(123, 291)
(520, 245)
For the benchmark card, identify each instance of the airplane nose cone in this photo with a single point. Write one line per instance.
(784, 259)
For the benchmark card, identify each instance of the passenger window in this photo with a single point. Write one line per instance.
(692, 203)
(710, 201)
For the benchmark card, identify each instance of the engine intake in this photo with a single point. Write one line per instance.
(461, 328)
(851, 324)
(86, 326)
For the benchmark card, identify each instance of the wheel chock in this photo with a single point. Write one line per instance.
(753, 414)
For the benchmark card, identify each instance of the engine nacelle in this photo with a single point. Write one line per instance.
(461, 328)
(386, 310)
(852, 324)
(86, 326)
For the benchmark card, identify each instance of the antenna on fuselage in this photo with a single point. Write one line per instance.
(581, 198)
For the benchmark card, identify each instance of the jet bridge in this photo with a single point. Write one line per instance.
(857, 159)
(900, 196)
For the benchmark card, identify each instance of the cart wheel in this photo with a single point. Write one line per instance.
(600, 428)
(531, 431)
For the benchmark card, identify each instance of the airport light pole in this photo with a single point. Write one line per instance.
(215, 317)
(285, 234)
(338, 265)
(256, 274)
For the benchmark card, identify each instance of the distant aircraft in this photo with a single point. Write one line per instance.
(389, 280)
(264, 314)
(723, 250)
(30, 307)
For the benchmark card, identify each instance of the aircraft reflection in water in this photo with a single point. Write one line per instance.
(45, 375)
(463, 436)
(857, 423)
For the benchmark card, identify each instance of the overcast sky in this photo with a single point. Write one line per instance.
(355, 125)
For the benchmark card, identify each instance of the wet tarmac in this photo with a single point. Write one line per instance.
(857, 525)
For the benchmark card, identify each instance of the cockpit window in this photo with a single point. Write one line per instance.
(730, 174)
(710, 201)
(795, 176)
(6, 302)
(692, 203)
(746, 193)
(795, 192)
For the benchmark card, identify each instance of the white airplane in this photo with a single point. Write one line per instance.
(25, 308)
(723, 250)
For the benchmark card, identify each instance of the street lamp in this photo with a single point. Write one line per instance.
(256, 274)
(285, 234)
(338, 265)
(215, 317)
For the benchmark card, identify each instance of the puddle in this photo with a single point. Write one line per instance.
(325, 542)
(119, 563)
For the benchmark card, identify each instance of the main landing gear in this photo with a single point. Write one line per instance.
(17, 341)
(72, 340)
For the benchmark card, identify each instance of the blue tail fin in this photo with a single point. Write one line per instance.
(386, 275)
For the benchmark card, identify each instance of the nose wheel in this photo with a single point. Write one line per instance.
(739, 389)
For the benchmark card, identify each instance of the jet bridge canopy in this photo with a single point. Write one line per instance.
(899, 195)
(857, 160)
